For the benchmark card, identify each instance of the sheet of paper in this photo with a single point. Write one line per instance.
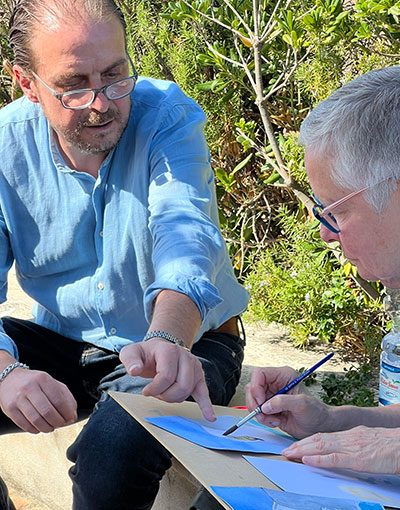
(250, 498)
(343, 483)
(248, 438)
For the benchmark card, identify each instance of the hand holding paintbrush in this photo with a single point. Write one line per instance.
(287, 388)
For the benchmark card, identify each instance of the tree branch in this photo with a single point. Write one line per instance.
(239, 17)
(212, 19)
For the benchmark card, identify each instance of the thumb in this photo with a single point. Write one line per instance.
(132, 357)
(281, 403)
(273, 406)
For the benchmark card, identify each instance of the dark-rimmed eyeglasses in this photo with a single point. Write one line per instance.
(83, 98)
(324, 215)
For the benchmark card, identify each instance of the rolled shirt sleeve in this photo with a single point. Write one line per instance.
(188, 248)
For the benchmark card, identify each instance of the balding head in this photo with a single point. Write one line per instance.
(30, 16)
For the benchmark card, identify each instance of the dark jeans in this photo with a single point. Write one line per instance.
(117, 464)
(5, 502)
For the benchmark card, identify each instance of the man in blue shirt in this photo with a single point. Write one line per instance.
(108, 209)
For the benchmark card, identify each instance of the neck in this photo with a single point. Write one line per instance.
(79, 160)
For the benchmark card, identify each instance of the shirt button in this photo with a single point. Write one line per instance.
(113, 331)
(101, 233)
(100, 286)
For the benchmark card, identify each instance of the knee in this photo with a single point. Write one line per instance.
(115, 457)
(111, 435)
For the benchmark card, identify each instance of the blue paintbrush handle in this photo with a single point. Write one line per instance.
(287, 388)
(296, 381)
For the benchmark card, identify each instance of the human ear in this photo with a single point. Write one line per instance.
(27, 84)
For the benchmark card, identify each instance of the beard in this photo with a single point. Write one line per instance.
(96, 143)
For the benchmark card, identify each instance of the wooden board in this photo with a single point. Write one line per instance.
(209, 467)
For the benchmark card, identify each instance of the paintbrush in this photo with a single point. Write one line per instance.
(287, 388)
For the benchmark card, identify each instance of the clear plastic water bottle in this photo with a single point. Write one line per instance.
(389, 377)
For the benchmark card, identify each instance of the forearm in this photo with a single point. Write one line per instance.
(176, 314)
(5, 360)
(347, 417)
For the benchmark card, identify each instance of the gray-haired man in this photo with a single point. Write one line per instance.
(352, 158)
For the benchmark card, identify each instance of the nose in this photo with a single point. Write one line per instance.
(327, 235)
(100, 103)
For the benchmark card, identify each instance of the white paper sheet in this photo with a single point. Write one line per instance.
(339, 483)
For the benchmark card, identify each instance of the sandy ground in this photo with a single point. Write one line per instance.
(266, 346)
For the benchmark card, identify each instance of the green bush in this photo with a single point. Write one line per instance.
(168, 49)
(352, 388)
(297, 283)
(355, 387)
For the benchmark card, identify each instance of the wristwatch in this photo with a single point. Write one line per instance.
(166, 336)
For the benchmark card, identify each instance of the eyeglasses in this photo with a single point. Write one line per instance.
(324, 215)
(83, 98)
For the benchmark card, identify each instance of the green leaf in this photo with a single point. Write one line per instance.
(274, 177)
(289, 18)
(341, 16)
(287, 39)
(219, 85)
(228, 96)
(242, 163)
(221, 175)
(206, 86)
(206, 60)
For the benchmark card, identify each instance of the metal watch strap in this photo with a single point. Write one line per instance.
(10, 368)
(166, 336)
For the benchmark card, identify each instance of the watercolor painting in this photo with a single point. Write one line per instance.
(249, 437)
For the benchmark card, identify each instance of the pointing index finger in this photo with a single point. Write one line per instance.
(201, 396)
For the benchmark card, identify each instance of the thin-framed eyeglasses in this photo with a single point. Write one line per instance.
(83, 98)
(324, 215)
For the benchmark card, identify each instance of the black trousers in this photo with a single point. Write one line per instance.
(5, 501)
(117, 464)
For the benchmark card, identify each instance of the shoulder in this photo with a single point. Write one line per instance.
(19, 111)
(23, 130)
(20, 120)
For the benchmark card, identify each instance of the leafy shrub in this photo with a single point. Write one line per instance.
(298, 283)
(355, 387)
(164, 48)
(352, 388)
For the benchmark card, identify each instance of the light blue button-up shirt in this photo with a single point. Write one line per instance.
(94, 253)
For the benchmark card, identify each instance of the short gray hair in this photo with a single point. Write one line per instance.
(30, 14)
(357, 130)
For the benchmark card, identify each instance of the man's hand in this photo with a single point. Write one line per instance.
(296, 413)
(177, 374)
(36, 402)
(374, 450)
